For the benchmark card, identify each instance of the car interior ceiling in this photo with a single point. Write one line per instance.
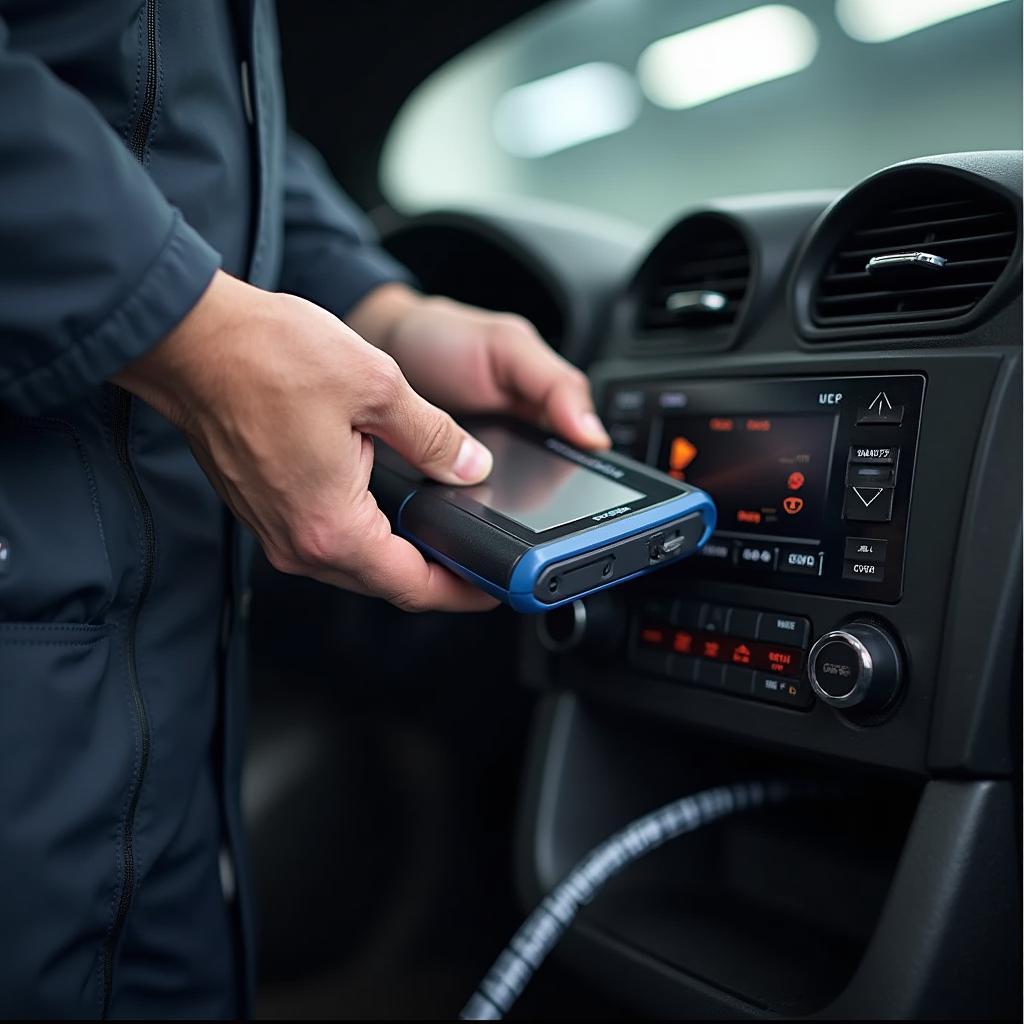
(417, 783)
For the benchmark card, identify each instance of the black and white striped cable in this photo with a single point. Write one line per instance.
(542, 930)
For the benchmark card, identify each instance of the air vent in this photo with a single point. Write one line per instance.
(696, 279)
(936, 246)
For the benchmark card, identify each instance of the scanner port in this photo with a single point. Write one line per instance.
(665, 545)
(594, 570)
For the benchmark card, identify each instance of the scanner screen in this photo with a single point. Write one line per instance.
(539, 489)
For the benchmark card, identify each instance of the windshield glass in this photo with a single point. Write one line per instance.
(641, 107)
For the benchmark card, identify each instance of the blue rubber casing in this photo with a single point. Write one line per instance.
(530, 566)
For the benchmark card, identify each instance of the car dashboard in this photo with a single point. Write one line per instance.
(854, 409)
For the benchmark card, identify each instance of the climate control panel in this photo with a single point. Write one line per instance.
(741, 651)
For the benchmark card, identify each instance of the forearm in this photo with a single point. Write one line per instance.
(95, 265)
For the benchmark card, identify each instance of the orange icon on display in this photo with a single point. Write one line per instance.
(792, 504)
(711, 648)
(680, 455)
(741, 655)
(795, 481)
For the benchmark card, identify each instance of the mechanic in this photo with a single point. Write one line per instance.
(191, 312)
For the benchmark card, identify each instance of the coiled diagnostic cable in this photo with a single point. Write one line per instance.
(542, 930)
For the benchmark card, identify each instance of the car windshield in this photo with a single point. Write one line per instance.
(638, 108)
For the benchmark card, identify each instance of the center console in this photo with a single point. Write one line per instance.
(813, 480)
(855, 617)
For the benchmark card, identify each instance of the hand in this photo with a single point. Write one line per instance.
(278, 399)
(472, 360)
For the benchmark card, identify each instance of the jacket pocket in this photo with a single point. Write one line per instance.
(55, 566)
(67, 752)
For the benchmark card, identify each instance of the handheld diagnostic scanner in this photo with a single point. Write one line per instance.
(552, 523)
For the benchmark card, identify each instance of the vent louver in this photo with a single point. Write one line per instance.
(971, 230)
(696, 279)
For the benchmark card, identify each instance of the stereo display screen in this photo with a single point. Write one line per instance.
(768, 474)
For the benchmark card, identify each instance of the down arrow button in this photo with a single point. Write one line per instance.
(868, 504)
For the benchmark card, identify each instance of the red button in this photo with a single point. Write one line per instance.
(712, 649)
(682, 642)
(652, 636)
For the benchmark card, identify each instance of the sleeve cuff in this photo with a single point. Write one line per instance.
(171, 285)
(338, 281)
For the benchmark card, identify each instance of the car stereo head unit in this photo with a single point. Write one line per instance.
(812, 477)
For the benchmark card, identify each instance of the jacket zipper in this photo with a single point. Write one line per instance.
(139, 137)
(121, 428)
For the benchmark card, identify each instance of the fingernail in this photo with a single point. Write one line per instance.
(593, 427)
(473, 462)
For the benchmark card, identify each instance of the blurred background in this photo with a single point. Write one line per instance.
(638, 108)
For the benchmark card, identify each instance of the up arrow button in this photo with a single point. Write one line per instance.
(881, 411)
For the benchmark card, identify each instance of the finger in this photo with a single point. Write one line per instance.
(398, 573)
(558, 392)
(422, 434)
(569, 409)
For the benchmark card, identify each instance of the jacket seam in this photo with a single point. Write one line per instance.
(56, 625)
(85, 642)
(136, 726)
(137, 842)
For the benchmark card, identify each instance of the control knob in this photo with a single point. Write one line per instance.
(856, 666)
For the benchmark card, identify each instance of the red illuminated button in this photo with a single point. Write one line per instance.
(653, 636)
(741, 654)
(684, 642)
(784, 661)
(713, 649)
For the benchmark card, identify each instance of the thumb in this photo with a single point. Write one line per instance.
(428, 438)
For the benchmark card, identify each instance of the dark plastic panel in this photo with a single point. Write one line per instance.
(897, 905)
(974, 728)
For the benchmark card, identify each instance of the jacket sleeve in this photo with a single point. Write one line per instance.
(331, 255)
(95, 265)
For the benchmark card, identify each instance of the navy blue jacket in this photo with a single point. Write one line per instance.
(142, 145)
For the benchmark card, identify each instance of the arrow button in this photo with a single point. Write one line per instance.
(880, 412)
(867, 494)
(868, 504)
